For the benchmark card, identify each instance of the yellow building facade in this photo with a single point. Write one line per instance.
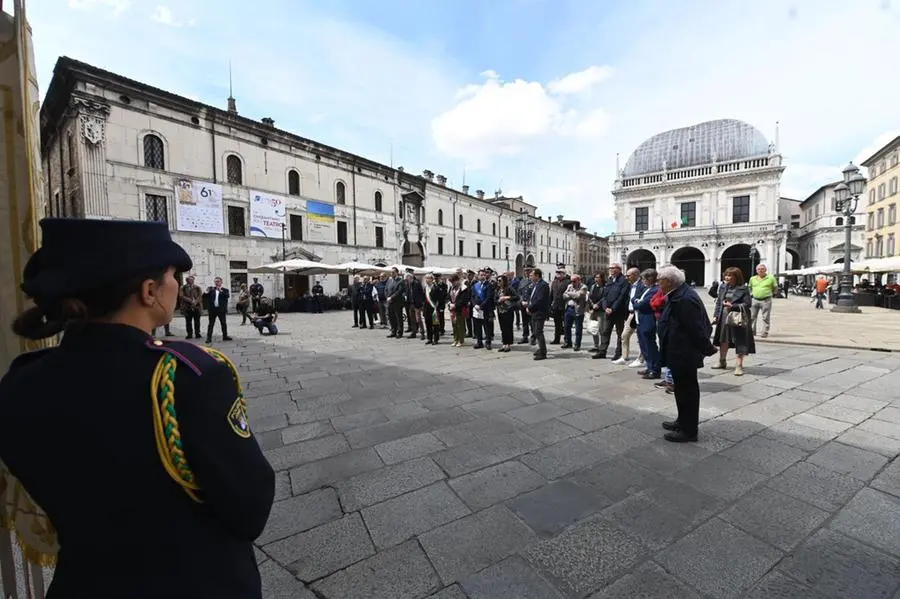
(882, 197)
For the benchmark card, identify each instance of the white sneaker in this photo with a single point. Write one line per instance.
(620, 361)
(636, 364)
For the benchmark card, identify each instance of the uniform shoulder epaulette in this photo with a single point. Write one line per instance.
(195, 357)
(28, 358)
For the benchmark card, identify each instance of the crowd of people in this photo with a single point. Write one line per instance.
(673, 330)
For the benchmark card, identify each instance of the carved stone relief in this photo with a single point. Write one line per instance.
(92, 116)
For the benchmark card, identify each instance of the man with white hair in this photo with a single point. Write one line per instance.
(684, 331)
(762, 289)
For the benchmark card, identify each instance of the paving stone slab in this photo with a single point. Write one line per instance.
(483, 452)
(493, 405)
(565, 457)
(854, 402)
(818, 486)
(595, 418)
(470, 432)
(538, 412)
(888, 480)
(838, 566)
(264, 424)
(306, 451)
(839, 412)
(307, 415)
(404, 410)
(852, 461)
(616, 478)
(451, 592)
(305, 432)
(510, 579)
(720, 477)
(881, 427)
(398, 429)
(856, 437)
(402, 572)
(323, 550)
(719, 559)
(586, 557)
(403, 517)
(776, 585)
(647, 581)
(331, 470)
(665, 457)
(764, 455)
(820, 422)
(797, 435)
(661, 514)
(300, 513)
(409, 448)
(551, 508)
(343, 424)
(775, 518)
(617, 439)
(550, 432)
(873, 518)
(462, 548)
(377, 485)
(495, 484)
(278, 583)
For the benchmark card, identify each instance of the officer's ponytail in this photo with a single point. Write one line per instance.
(50, 316)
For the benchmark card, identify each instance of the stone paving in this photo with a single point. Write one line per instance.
(407, 472)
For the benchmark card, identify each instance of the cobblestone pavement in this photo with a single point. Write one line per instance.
(409, 471)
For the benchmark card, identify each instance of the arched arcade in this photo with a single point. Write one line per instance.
(692, 261)
(640, 259)
(737, 256)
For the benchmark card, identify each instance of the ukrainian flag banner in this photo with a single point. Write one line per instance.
(320, 216)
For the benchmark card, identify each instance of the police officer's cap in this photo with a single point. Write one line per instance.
(80, 255)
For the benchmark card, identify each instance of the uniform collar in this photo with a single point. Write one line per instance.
(104, 333)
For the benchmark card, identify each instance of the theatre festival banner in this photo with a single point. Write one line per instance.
(320, 216)
(267, 214)
(198, 207)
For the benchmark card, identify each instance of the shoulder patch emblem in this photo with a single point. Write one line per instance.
(237, 418)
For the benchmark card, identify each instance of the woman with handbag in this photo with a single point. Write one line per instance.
(597, 319)
(732, 320)
(506, 299)
(243, 304)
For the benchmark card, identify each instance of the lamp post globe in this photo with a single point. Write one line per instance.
(846, 196)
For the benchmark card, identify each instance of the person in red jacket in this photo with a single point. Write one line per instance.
(657, 303)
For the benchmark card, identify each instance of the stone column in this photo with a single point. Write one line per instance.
(91, 117)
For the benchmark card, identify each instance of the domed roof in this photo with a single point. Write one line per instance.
(713, 141)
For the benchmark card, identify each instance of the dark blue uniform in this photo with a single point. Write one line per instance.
(77, 429)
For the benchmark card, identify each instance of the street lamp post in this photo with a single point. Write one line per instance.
(283, 257)
(524, 227)
(846, 195)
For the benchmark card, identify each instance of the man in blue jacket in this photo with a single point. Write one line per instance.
(538, 309)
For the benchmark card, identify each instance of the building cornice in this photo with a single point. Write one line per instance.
(881, 152)
(700, 184)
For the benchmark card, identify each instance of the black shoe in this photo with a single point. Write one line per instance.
(209, 340)
(680, 437)
(554, 342)
(598, 356)
(565, 346)
(671, 425)
(651, 376)
(391, 336)
(487, 346)
(523, 341)
(594, 350)
(661, 385)
(356, 326)
(540, 356)
(428, 342)
(642, 372)
(478, 346)
(576, 348)
(226, 338)
(670, 390)
(411, 336)
(189, 337)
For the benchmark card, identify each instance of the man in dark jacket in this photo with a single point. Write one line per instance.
(394, 289)
(684, 331)
(216, 301)
(352, 293)
(538, 309)
(526, 286)
(382, 300)
(483, 303)
(558, 303)
(615, 305)
(318, 294)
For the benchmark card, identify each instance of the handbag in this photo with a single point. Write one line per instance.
(594, 326)
(735, 319)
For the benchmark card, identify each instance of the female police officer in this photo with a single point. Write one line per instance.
(138, 450)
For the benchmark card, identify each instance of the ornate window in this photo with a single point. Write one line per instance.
(156, 206)
(293, 183)
(378, 204)
(234, 170)
(154, 154)
(340, 193)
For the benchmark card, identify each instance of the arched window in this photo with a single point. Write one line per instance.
(154, 154)
(493, 228)
(441, 217)
(507, 232)
(478, 225)
(340, 193)
(293, 183)
(839, 221)
(234, 170)
(377, 201)
(460, 221)
(400, 209)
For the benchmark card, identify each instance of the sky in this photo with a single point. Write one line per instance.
(530, 97)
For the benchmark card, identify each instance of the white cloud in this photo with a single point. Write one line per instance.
(164, 16)
(878, 143)
(115, 6)
(502, 118)
(574, 83)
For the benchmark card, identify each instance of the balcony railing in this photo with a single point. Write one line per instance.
(695, 172)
